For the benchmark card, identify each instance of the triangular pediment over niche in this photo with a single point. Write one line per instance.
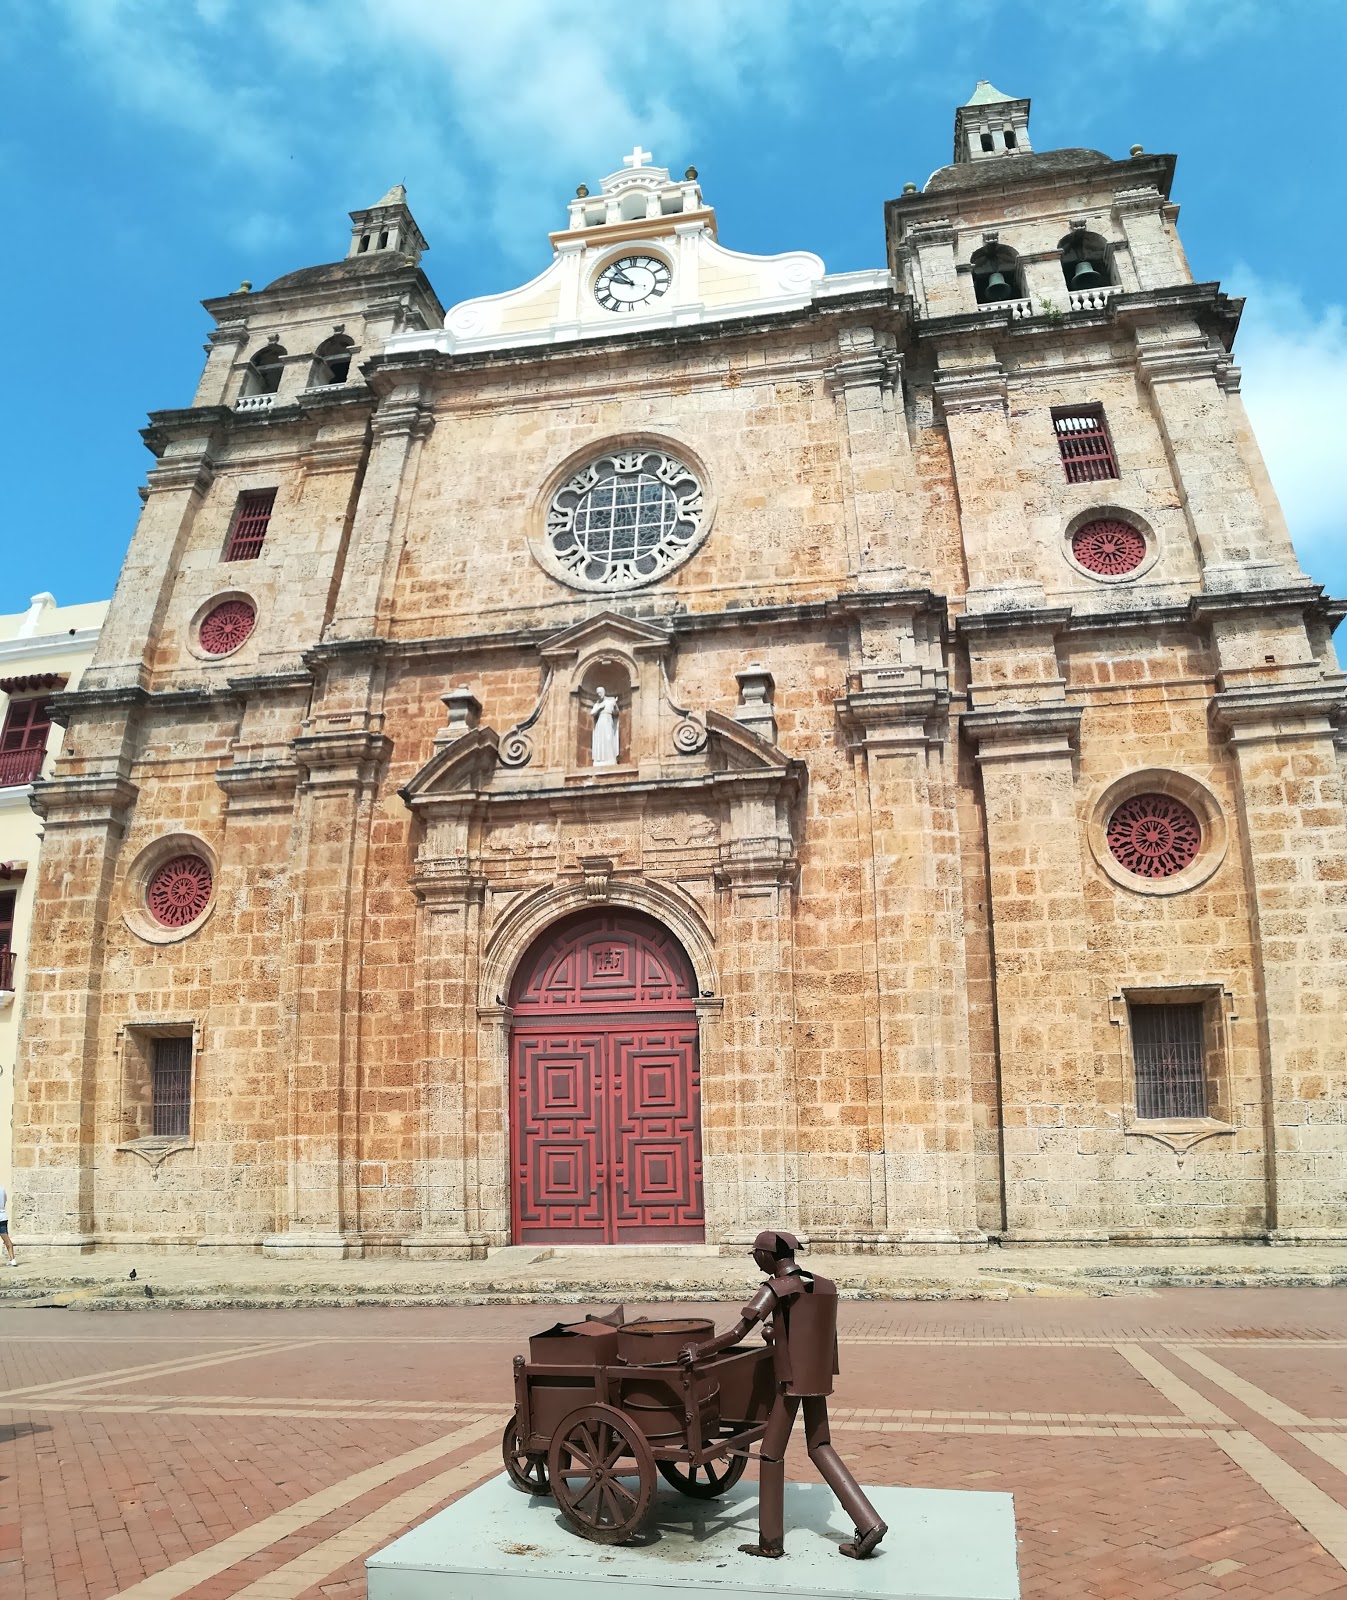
(662, 744)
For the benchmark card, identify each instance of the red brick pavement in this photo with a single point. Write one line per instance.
(119, 1474)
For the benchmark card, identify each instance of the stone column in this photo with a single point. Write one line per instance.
(56, 1077)
(319, 1139)
(1294, 833)
(1023, 732)
(899, 717)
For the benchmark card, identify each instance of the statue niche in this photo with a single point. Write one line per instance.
(603, 723)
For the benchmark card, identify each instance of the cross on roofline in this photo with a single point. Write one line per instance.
(637, 158)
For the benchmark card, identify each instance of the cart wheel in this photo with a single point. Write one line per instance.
(604, 1497)
(705, 1482)
(526, 1471)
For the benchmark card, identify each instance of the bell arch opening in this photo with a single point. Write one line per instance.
(605, 1085)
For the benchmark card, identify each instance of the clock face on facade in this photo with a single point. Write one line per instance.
(631, 282)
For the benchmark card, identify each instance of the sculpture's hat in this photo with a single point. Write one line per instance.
(776, 1244)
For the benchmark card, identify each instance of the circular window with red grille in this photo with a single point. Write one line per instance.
(226, 626)
(1108, 547)
(179, 891)
(1154, 835)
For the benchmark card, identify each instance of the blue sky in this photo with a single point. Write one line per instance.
(159, 151)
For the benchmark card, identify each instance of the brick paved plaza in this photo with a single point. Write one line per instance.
(1189, 1442)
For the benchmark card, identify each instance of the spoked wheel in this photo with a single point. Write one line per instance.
(602, 1474)
(527, 1472)
(705, 1482)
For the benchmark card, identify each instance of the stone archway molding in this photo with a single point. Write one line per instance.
(530, 917)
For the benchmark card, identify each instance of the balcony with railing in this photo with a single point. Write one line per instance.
(21, 766)
(255, 402)
(6, 971)
(1091, 299)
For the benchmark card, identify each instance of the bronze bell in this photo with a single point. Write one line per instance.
(1085, 275)
(997, 288)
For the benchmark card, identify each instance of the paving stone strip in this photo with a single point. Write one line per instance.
(186, 1575)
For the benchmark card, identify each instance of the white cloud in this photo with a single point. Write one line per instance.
(1294, 361)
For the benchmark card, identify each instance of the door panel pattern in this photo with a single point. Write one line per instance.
(606, 1124)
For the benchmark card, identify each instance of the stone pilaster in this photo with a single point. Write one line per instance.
(1024, 734)
(1294, 833)
(882, 536)
(970, 390)
(401, 422)
(1202, 429)
(318, 1141)
(754, 1182)
(56, 1080)
(898, 717)
(457, 1112)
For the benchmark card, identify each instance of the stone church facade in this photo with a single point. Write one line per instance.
(973, 864)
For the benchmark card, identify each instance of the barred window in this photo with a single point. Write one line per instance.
(171, 1088)
(1082, 439)
(1168, 1057)
(249, 529)
(8, 899)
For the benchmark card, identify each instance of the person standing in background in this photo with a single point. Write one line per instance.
(4, 1228)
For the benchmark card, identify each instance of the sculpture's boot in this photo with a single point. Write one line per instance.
(772, 1481)
(869, 1526)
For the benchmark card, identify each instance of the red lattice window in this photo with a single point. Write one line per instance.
(179, 891)
(226, 627)
(1154, 835)
(1108, 547)
(251, 517)
(1082, 439)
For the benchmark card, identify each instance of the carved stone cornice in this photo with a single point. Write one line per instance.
(911, 707)
(402, 417)
(259, 785)
(447, 882)
(1275, 711)
(876, 369)
(1022, 733)
(96, 801)
(194, 476)
(341, 758)
(981, 388)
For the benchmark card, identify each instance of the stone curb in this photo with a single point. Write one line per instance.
(80, 1292)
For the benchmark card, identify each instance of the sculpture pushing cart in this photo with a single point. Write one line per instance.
(603, 1406)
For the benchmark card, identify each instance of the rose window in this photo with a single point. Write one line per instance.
(179, 891)
(624, 519)
(226, 626)
(1154, 835)
(1108, 547)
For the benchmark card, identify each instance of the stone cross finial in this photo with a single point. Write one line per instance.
(637, 158)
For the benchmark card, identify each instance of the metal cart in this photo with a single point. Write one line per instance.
(602, 1406)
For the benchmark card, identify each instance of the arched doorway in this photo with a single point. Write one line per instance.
(605, 1127)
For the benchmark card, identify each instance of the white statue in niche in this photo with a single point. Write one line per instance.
(603, 744)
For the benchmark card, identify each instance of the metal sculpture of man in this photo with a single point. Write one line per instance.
(802, 1330)
(604, 743)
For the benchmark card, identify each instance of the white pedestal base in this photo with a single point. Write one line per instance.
(497, 1544)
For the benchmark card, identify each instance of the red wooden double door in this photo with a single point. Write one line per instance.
(606, 1125)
